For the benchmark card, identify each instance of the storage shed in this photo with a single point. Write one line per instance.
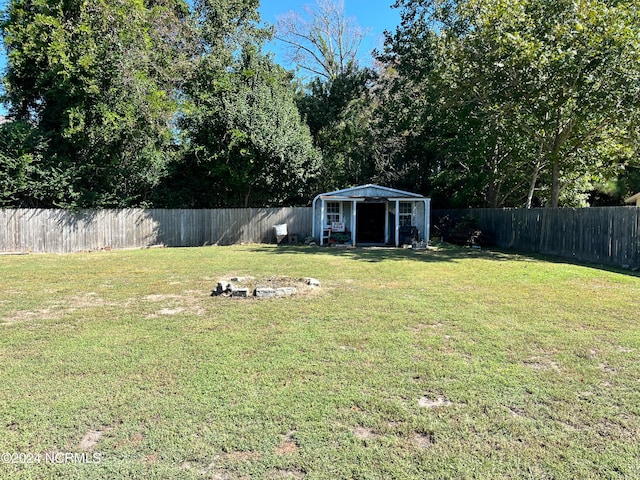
(370, 215)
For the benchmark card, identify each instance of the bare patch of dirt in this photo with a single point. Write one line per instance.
(288, 445)
(88, 300)
(91, 438)
(187, 303)
(424, 440)
(606, 368)
(170, 311)
(364, 433)
(56, 309)
(541, 363)
(22, 316)
(426, 402)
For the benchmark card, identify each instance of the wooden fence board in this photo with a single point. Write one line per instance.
(60, 231)
(605, 235)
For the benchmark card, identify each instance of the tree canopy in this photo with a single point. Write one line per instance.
(247, 143)
(524, 97)
(98, 80)
(170, 103)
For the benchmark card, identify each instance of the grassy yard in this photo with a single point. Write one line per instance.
(449, 364)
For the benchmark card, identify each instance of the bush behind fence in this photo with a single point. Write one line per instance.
(605, 235)
(61, 231)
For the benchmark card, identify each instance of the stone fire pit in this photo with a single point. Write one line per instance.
(264, 287)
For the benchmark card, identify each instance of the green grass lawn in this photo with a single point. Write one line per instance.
(449, 364)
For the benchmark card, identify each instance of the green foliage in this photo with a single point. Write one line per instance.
(474, 102)
(524, 98)
(27, 177)
(338, 112)
(99, 82)
(246, 142)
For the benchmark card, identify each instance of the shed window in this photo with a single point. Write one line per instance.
(333, 212)
(405, 215)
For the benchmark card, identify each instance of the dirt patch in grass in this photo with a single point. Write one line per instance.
(91, 438)
(31, 315)
(88, 300)
(186, 303)
(288, 445)
(364, 433)
(606, 368)
(426, 402)
(56, 309)
(541, 363)
(424, 440)
(170, 311)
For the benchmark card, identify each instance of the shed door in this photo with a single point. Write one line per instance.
(370, 222)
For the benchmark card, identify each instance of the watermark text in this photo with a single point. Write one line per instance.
(50, 457)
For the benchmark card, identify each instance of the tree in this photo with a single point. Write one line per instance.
(247, 144)
(100, 82)
(327, 44)
(336, 103)
(338, 114)
(531, 90)
(27, 179)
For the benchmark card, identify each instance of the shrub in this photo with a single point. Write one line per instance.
(465, 231)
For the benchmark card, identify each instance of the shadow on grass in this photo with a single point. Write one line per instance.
(441, 253)
(447, 253)
(569, 261)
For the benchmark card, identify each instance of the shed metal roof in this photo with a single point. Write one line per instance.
(370, 190)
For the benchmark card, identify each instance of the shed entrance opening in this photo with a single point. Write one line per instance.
(370, 222)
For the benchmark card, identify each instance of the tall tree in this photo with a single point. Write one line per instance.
(247, 145)
(27, 179)
(532, 91)
(100, 82)
(336, 102)
(326, 43)
(338, 114)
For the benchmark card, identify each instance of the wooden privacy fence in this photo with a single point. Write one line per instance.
(61, 231)
(605, 235)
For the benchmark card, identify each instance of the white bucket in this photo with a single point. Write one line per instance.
(280, 230)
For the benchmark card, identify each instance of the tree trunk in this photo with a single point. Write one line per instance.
(532, 186)
(246, 198)
(555, 181)
(493, 187)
